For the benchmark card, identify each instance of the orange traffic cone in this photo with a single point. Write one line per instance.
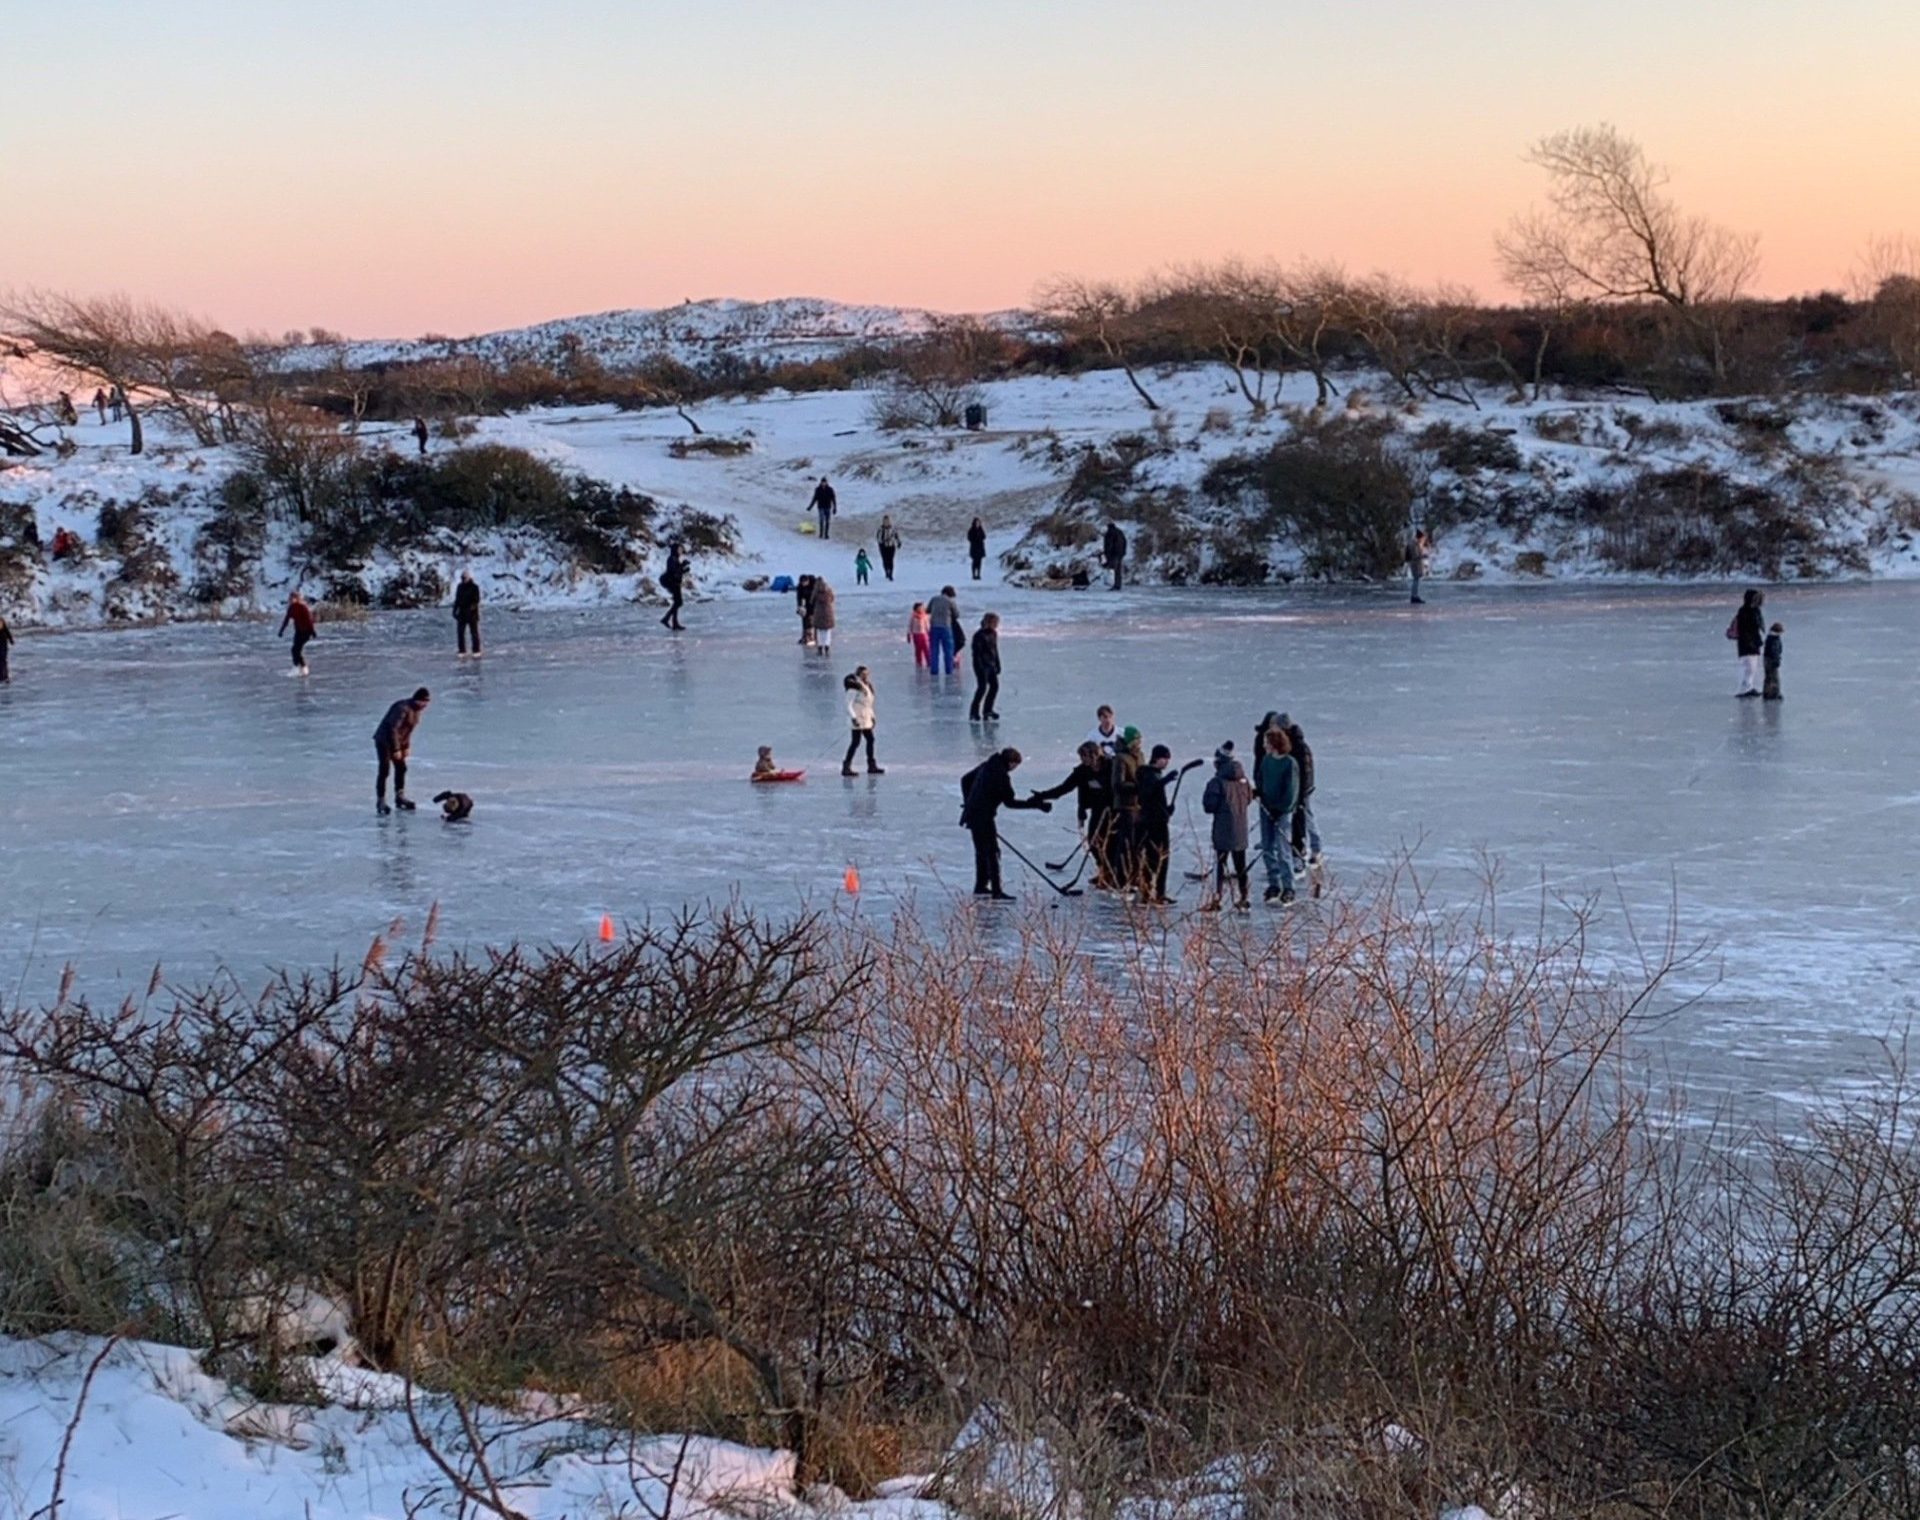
(851, 881)
(606, 927)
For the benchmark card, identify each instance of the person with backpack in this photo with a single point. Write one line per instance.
(986, 669)
(984, 790)
(466, 612)
(825, 503)
(1113, 551)
(300, 618)
(1226, 800)
(977, 545)
(1276, 785)
(1748, 630)
(673, 579)
(888, 538)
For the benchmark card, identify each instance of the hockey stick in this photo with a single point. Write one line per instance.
(1061, 865)
(1067, 891)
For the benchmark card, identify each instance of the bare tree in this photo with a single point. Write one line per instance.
(1612, 234)
(1098, 312)
(1888, 282)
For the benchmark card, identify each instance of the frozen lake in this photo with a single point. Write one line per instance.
(172, 797)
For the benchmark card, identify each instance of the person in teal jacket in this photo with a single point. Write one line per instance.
(1276, 786)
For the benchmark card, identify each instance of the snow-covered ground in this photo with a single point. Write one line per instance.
(1851, 465)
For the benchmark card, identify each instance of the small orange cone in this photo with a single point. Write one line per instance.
(851, 881)
(606, 927)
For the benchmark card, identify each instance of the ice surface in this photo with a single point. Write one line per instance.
(173, 797)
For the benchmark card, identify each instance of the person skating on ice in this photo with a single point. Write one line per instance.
(986, 669)
(674, 580)
(1306, 829)
(299, 617)
(1771, 652)
(943, 619)
(466, 613)
(1089, 783)
(984, 790)
(859, 689)
(1153, 851)
(392, 741)
(1104, 731)
(1419, 556)
(1226, 800)
(1276, 787)
(888, 538)
(977, 545)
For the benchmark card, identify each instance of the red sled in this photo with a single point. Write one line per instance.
(777, 776)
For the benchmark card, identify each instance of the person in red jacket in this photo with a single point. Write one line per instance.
(300, 616)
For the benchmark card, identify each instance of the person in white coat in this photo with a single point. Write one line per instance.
(859, 688)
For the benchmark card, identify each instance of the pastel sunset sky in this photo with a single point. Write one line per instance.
(414, 165)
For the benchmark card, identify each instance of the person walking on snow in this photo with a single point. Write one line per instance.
(822, 604)
(100, 406)
(862, 567)
(300, 618)
(392, 741)
(1226, 800)
(420, 434)
(825, 504)
(1113, 551)
(1276, 783)
(888, 539)
(859, 687)
(1419, 554)
(984, 790)
(1749, 630)
(674, 579)
(943, 619)
(986, 669)
(466, 613)
(977, 545)
(918, 636)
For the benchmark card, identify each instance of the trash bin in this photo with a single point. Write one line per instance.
(976, 416)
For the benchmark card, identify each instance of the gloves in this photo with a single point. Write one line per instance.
(1041, 803)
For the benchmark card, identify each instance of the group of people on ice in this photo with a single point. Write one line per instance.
(1124, 801)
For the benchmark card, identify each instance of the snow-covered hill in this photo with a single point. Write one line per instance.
(693, 333)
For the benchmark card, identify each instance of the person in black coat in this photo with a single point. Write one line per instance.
(825, 503)
(986, 668)
(1153, 840)
(803, 595)
(466, 611)
(1090, 783)
(1750, 630)
(391, 742)
(977, 545)
(6, 646)
(1113, 551)
(674, 579)
(986, 789)
(1306, 829)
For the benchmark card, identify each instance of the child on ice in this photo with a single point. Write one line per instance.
(764, 766)
(1770, 653)
(919, 634)
(862, 566)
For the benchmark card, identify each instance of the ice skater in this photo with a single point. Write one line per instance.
(859, 688)
(1748, 630)
(300, 618)
(1276, 784)
(1103, 733)
(1770, 656)
(917, 635)
(825, 503)
(1153, 835)
(1306, 829)
(862, 567)
(392, 741)
(986, 670)
(1226, 801)
(821, 603)
(943, 621)
(674, 578)
(1419, 556)
(466, 612)
(984, 790)
(977, 545)
(888, 538)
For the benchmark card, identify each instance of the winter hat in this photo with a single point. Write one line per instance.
(1161, 752)
(1273, 720)
(1130, 734)
(1282, 720)
(1226, 747)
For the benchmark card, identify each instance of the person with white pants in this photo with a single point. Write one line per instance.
(1749, 631)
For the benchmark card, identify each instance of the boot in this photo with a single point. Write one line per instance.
(874, 770)
(405, 804)
(380, 807)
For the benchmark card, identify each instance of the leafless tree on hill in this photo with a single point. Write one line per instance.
(1612, 234)
(1888, 284)
(1101, 313)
